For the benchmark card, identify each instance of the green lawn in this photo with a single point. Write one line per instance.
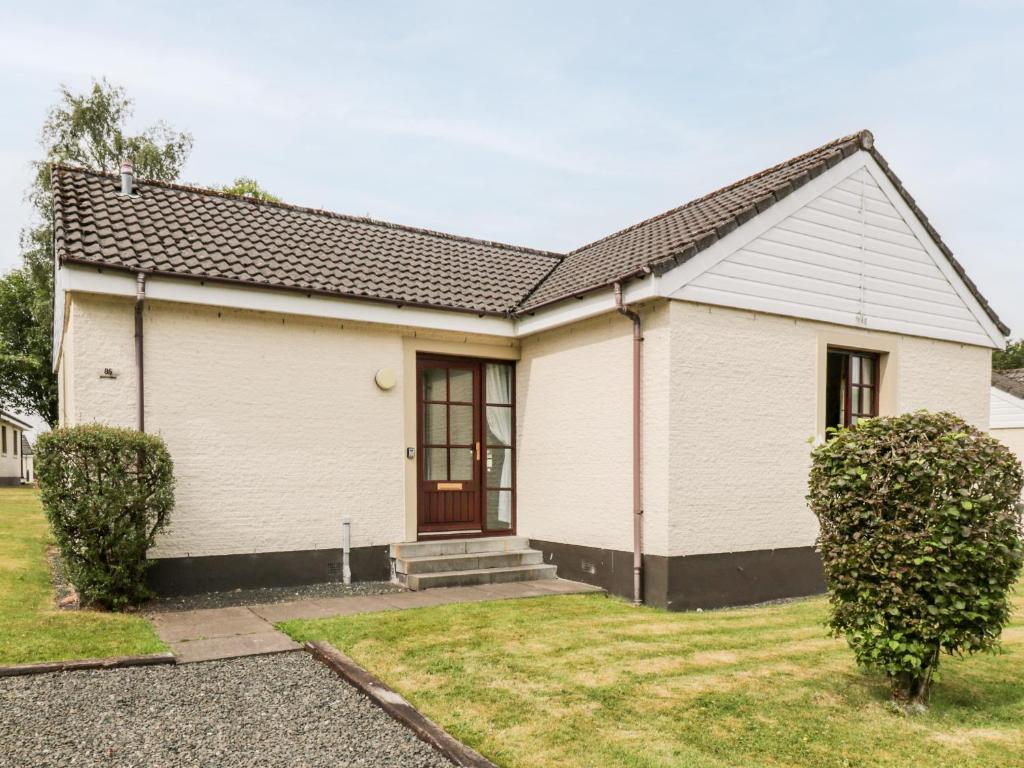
(31, 628)
(590, 681)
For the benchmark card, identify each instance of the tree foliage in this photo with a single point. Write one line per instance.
(245, 186)
(107, 492)
(1011, 357)
(920, 539)
(90, 130)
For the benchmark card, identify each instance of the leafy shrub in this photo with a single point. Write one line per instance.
(920, 539)
(107, 493)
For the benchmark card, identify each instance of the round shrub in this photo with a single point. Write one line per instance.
(920, 540)
(107, 493)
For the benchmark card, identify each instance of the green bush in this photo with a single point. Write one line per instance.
(107, 493)
(920, 539)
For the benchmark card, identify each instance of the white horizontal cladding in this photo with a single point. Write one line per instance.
(188, 291)
(846, 249)
(1007, 411)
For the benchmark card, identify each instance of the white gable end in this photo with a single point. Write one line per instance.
(1007, 411)
(852, 254)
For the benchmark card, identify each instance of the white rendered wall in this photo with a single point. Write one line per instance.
(745, 393)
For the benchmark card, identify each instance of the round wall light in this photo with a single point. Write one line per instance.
(385, 378)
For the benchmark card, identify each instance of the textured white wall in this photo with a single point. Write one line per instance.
(275, 424)
(745, 393)
(1012, 439)
(574, 425)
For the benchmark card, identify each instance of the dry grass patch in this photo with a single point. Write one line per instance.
(587, 681)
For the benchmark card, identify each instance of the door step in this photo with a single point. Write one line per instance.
(462, 562)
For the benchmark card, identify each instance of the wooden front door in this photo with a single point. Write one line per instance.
(465, 447)
(449, 421)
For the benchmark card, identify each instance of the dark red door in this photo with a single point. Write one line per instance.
(449, 425)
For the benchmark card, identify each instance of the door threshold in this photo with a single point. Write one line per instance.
(471, 534)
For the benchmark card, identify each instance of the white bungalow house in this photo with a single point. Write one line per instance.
(634, 412)
(1006, 420)
(12, 465)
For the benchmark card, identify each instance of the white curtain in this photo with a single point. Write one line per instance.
(499, 422)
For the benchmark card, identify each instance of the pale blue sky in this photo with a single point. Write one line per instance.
(547, 124)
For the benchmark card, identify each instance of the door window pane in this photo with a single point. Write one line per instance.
(461, 386)
(499, 468)
(462, 424)
(499, 425)
(499, 383)
(435, 384)
(462, 463)
(435, 463)
(499, 510)
(435, 424)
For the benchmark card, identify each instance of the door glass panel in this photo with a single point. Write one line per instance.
(435, 463)
(868, 370)
(499, 510)
(462, 463)
(499, 383)
(435, 384)
(461, 386)
(435, 424)
(499, 425)
(855, 369)
(462, 424)
(499, 468)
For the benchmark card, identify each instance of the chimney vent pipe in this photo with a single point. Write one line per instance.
(127, 177)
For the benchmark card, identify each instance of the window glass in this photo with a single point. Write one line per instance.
(499, 510)
(435, 424)
(461, 383)
(462, 463)
(499, 425)
(499, 466)
(461, 423)
(435, 463)
(435, 384)
(499, 383)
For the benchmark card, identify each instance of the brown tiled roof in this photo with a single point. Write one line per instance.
(204, 234)
(1011, 381)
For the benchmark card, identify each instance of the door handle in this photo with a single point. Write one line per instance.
(478, 450)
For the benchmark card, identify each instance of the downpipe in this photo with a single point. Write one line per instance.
(638, 340)
(140, 303)
(346, 550)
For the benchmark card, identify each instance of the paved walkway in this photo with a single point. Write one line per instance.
(224, 633)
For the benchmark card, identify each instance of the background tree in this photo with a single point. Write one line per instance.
(1011, 357)
(90, 130)
(244, 186)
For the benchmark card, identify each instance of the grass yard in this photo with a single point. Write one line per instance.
(590, 681)
(31, 628)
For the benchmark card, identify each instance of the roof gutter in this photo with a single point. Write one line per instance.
(638, 339)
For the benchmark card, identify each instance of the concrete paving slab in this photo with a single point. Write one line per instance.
(295, 609)
(426, 599)
(565, 587)
(347, 606)
(270, 641)
(206, 623)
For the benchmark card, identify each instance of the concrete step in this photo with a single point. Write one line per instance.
(468, 561)
(479, 576)
(436, 548)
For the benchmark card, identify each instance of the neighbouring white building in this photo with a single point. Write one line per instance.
(1006, 420)
(647, 399)
(12, 458)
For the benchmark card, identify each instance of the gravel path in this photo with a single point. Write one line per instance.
(269, 595)
(278, 710)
